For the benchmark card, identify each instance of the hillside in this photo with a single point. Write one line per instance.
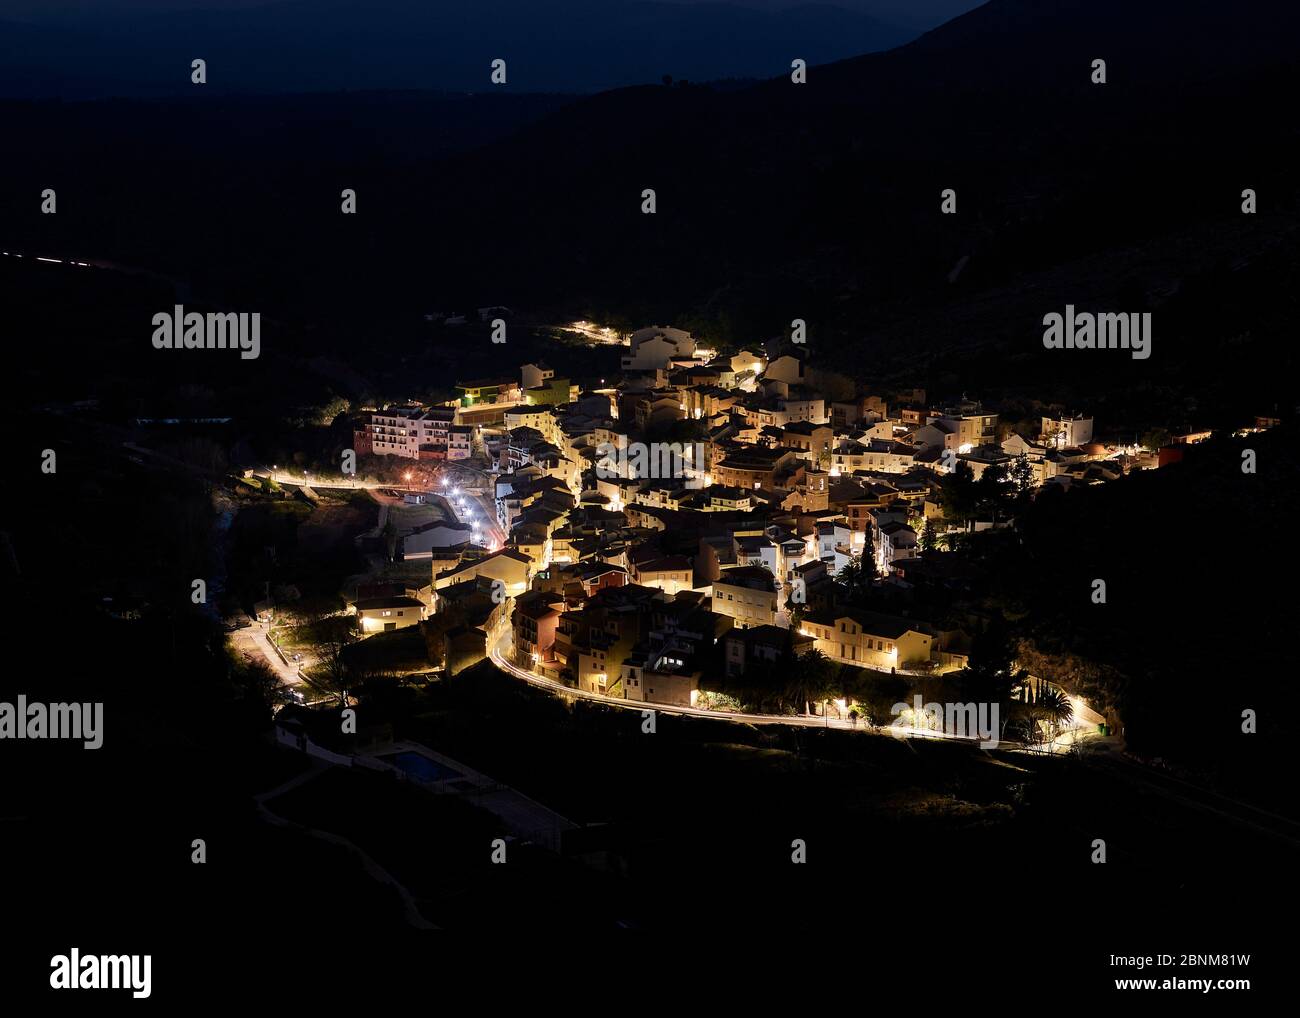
(326, 45)
(776, 201)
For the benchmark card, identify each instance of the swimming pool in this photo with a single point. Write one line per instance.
(420, 767)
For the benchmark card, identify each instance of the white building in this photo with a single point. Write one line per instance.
(384, 614)
(1067, 432)
(534, 376)
(967, 429)
(894, 541)
(404, 431)
(885, 457)
(834, 544)
(459, 442)
(655, 348)
(421, 543)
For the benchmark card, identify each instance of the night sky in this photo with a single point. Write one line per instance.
(78, 49)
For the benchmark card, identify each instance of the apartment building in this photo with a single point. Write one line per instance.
(1066, 432)
(534, 622)
(894, 541)
(747, 595)
(870, 639)
(410, 432)
(971, 426)
(875, 456)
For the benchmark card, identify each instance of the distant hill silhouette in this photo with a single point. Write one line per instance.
(775, 201)
(319, 45)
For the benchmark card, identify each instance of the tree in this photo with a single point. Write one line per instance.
(390, 537)
(992, 490)
(787, 684)
(809, 678)
(958, 495)
(292, 609)
(259, 685)
(331, 674)
(760, 690)
(991, 673)
(1022, 474)
(333, 407)
(1053, 708)
(853, 581)
(1042, 714)
(1155, 439)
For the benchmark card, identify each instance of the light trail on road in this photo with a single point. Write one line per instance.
(799, 721)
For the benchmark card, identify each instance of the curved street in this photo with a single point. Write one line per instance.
(498, 657)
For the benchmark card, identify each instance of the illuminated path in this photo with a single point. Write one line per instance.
(498, 658)
(284, 477)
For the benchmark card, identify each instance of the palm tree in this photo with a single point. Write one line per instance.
(1052, 708)
(855, 579)
(807, 677)
(1044, 707)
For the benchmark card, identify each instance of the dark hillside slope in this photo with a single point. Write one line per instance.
(818, 201)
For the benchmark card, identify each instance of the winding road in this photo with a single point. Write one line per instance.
(498, 656)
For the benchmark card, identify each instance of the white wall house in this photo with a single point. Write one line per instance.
(1067, 432)
(894, 541)
(656, 348)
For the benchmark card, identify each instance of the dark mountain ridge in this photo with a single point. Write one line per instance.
(322, 45)
(818, 201)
